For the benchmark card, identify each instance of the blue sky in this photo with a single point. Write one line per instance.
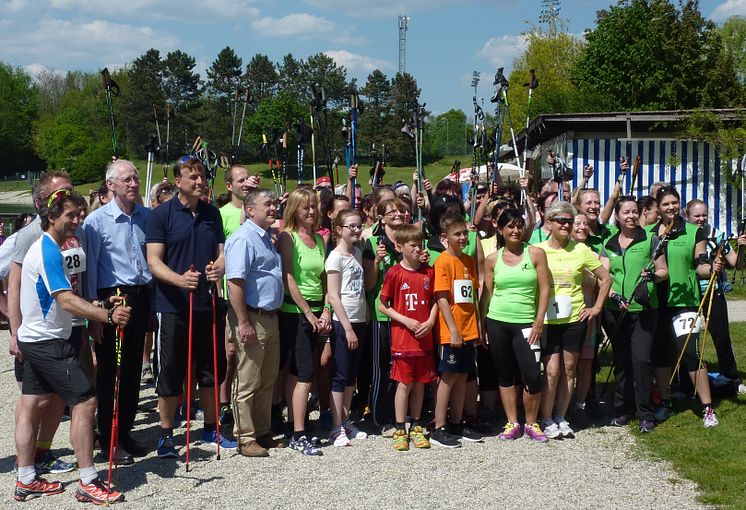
(446, 41)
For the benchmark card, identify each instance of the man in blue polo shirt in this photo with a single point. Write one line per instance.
(185, 240)
(255, 287)
(115, 252)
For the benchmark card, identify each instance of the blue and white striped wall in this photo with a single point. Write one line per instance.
(697, 175)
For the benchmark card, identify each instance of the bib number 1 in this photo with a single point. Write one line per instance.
(559, 307)
(463, 291)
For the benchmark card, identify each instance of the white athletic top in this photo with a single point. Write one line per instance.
(352, 292)
(43, 275)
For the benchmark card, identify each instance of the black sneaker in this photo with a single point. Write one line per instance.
(442, 437)
(166, 449)
(304, 446)
(620, 421)
(467, 433)
(226, 415)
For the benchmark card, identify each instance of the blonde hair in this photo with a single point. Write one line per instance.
(297, 199)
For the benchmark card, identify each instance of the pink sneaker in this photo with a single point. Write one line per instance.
(510, 432)
(534, 433)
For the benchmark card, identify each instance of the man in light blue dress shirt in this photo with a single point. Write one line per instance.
(253, 270)
(116, 262)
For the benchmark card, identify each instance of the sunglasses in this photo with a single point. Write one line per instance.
(63, 192)
(564, 221)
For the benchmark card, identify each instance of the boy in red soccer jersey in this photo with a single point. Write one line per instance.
(407, 299)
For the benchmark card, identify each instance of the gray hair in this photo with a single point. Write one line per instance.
(255, 194)
(112, 170)
(659, 184)
(559, 208)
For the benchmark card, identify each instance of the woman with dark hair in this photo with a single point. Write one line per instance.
(631, 313)
(647, 208)
(514, 300)
(567, 315)
(678, 297)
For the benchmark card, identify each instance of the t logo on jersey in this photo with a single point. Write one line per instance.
(411, 300)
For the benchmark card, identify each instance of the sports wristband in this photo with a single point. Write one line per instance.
(109, 316)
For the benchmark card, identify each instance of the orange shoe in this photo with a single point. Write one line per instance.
(97, 492)
(39, 487)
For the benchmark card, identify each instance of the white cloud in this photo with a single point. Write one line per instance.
(729, 8)
(501, 51)
(161, 9)
(66, 44)
(357, 64)
(36, 69)
(301, 25)
(382, 8)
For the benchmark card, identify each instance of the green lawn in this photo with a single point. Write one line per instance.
(716, 458)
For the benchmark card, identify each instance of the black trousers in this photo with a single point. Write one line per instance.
(382, 388)
(719, 331)
(130, 370)
(632, 344)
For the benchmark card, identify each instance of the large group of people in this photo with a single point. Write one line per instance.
(403, 315)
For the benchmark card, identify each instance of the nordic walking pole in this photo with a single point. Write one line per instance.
(353, 141)
(700, 364)
(215, 384)
(532, 83)
(111, 89)
(246, 100)
(114, 436)
(189, 371)
(635, 171)
(313, 146)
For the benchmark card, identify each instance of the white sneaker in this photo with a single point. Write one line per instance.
(551, 430)
(353, 432)
(710, 419)
(565, 430)
(338, 437)
(742, 389)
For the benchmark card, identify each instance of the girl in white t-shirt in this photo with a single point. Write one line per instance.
(346, 294)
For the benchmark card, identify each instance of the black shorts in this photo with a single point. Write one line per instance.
(563, 337)
(298, 340)
(52, 366)
(172, 350)
(458, 360)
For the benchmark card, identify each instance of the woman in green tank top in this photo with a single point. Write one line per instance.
(514, 300)
(631, 313)
(303, 316)
(686, 255)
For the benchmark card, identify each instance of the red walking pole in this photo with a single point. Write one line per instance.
(114, 436)
(189, 374)
(215, 383)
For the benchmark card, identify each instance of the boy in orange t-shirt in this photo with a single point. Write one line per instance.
(456, 287)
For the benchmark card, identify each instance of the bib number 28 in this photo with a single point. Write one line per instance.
(463, 291)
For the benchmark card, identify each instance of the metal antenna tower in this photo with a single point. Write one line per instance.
(403, 25)
(475, 81)
(549, 11)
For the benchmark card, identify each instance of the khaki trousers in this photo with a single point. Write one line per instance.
(257, 366)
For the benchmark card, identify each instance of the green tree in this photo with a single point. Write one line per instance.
(649, 55)
(733, 34)
(222, 107)
(290, 72)
(143, 98)
(183, 89)
(322, 70)
(18, 103)
(262, 78)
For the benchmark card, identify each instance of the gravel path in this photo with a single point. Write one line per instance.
(603, 466)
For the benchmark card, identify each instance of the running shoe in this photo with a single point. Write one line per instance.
(466, 433)
(551, 430)
(646, 426)
(741, 389)
(619, 421)
(565, 430)
(418, 438)
(353, 432)
(338, 437)
(212, 437)
(98, 493)
(510, 431)
(147, 374)
(534, 433)
(388, 430)
(441, 437)
(662, 413)
(226, 415)
(39, 487)
(710, 419)
(54, 465)
(401, 440)
(166, 449)
(304, 446)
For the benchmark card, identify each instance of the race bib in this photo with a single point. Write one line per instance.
(463, 291)
(74, 260)
(685, 323)
(560, 307)
(536, 349)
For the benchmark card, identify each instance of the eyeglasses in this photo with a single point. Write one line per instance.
(353, 227)
(128, 180)
(564, 221)
(394, 213)
(62, 192)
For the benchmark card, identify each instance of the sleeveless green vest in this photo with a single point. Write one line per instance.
(625, 267)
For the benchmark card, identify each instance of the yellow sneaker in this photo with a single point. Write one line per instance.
(401, 441)
(417, 436)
